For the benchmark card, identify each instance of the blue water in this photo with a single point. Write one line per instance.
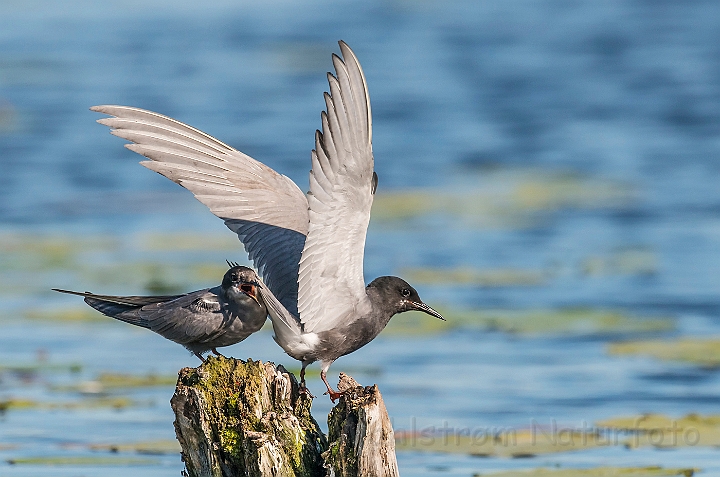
(467, 97)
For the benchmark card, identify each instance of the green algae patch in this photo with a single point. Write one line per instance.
(157, 447)
(85, 461)
(107, 382)
(41, 366)
(130, 264)
(469, 276)
(572, 322)
(501, 442)
(67, 315)
(661, 431)
(9, 404)
(595, 472)
(695, 351)
(121, 380)
(639, 261)
(188, 242)
(118, 403)
(33, 252)
(510, 198)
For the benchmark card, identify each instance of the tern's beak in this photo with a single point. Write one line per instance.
(250, 289)
(420, 306)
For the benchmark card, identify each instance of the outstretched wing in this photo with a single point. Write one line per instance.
(266, 209)
(342, 183)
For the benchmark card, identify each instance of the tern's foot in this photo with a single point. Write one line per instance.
(302, 389)
(334, 395)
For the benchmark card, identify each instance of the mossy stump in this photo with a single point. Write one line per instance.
(247, 418)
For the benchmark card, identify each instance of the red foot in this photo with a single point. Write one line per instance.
(334, 396)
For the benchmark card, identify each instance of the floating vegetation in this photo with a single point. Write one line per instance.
(158, 447)
(32, 264)
(94, 403)
(502, 442)
(83, 461)
(582, 322)
(469, 276)
(16, 404)
(630, 432)
(106, 382)
(507, 198)
(595, 472)
(50, 252)
(40, 366)
(157, 242)
(29, 373)
(631, 261)
(665, 432)
(82, 314)
(697, 351)
(115, 380)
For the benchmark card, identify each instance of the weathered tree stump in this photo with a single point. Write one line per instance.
(236, 418)
(361, 437)
(247, 418)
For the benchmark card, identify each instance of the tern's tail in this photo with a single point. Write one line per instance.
(123, 308)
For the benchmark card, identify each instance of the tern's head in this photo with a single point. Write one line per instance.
(396, 295)
(241, 280)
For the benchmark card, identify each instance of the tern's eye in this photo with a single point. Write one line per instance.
(234, 277)
(405, 292)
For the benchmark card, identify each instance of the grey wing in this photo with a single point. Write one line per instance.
(342, 183)
(266, 209)
(195, 317)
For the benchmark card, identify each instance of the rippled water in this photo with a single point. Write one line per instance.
(534, 158)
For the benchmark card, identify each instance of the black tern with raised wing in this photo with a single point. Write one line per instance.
(202, 320)
(308, 248)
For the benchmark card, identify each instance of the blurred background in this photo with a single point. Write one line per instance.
(548, 180)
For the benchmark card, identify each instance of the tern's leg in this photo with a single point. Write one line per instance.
(303, 389)
(200, 356)
(215, 352)
(334, 395)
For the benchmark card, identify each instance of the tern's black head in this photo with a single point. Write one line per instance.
(241, 279)
(395, 295)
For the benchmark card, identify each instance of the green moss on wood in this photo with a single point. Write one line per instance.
(249, 415)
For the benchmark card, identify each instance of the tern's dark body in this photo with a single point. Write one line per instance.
(201, 320)
(386, 299)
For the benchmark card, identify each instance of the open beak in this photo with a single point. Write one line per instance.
(250, 289)
(420, 306)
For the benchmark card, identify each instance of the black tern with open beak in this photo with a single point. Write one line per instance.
(308, 248)
(202, 320)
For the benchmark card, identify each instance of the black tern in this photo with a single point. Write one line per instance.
(308, 248)
(202, 320)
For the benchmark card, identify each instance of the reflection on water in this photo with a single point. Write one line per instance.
(548, 175)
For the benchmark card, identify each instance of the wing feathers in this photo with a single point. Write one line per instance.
(331, 283)
(358, 78)
(309, 250)
(232, 185)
